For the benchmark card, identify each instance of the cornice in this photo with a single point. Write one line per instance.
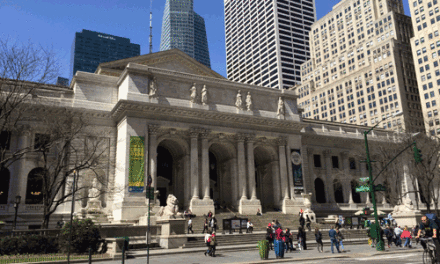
(202, 117)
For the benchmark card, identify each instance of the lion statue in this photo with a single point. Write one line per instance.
(171, 209)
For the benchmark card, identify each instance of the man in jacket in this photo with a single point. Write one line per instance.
(332, 234)
(398, 231)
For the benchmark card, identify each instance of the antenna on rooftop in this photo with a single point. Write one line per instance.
(151, 26)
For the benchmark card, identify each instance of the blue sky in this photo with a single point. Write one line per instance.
(54, 23)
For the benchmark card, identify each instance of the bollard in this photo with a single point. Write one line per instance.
(90, 255)
(123, 252)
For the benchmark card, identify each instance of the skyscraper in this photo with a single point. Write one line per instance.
(184, 29)
(426, 53)
(91, 48)
(361, 70)
(267, 40)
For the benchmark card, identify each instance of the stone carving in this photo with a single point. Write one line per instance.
(204, 95)
(171, 210)
(308, 205)
(239, 101)
(93, 204)
(280, 111)
(193, 94)
(407, 206)
(153, 87)
(249, 101)
(93, 192)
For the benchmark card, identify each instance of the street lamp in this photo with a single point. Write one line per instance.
(380, 243)
(16, 204)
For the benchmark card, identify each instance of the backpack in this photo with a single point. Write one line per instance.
(433, 218)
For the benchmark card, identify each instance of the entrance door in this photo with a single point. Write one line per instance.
(162, 196)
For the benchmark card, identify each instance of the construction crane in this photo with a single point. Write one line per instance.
(151, 26)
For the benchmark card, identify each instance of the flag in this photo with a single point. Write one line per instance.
(149, 181)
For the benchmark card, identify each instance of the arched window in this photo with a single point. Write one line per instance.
(339, 195)
(34, 190)
(355, 195)
(320, 191)
(4, 185)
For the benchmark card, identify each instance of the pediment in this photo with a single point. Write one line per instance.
(174, 60)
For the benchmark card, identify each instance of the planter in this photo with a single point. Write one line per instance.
(263, 249)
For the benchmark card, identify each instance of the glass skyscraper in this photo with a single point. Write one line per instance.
(267, 40)
(90, 48)
(184, 29)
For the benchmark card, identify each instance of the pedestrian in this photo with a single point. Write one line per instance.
(278, 223)
(407, 236)
(208, 243)
(213, 224)
(205, 226)
(301, 220)
(333, 239)
(250, 227)
(318, 238)
(288, 240)
(398, 231)
(269, 236)
(389, 235)
(415, 230)
(209, 214)
(301, 236)
(279, 243)
(308, 223)
(190, 226)
(340, 237)
(274, 225)
(213, 244)
(258, 212)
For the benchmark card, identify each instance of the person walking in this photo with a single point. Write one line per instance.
(205, 226)
(190, 226)
(415, 231)
(301, 220)
(213, 224)
(318, 238)
(340, 237)
(333, 239)
(288, 240)
(279, 243)
(213, 244)
(389, 235)
(407, 236)
(208, 243)
(269, 236)
(308, 223)
(301, 236)
(398, 231)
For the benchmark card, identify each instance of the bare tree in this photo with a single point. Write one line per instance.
(24, 68)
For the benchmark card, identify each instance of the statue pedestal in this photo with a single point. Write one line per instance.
(249, 206)
(307, 204)
(94, 206)
(289, 206)
(201, 207)
(410, 218)
(172, 232)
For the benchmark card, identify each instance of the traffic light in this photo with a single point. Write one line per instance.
(417, 154)
(366, 211)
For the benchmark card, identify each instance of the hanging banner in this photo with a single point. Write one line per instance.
(295, 158)
(136, 160)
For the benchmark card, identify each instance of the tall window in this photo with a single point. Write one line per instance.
(5, 140)
(335, 162)
(352, 163)
(4, 185)
(317, 161)
(34, 189)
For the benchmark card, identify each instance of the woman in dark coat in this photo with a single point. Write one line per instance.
(302, 234)
(301, 221)
(269, 236)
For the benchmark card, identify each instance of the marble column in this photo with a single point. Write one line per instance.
(152, 153)
(290, 172)
(234, 181)
(330, 193)
(241, 164)
(18, 182)
(194, 159)
(283, 169)
(364, 174)
(346, 179)
(205, 165)
(251, 167)
(309, 169)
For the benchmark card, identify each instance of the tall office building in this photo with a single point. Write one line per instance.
(362, 69)
(184, 29)
(267, 40)
(426, 52)
(91, 48)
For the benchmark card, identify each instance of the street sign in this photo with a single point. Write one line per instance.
(364, 179)
(150, 193)
(380, 187)
(363, 188)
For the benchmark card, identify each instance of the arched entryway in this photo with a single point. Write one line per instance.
(339, 195)
(355, 195)
(4, 185)
(34, 189)
(320, 191)
(170, 171)
(267, 177)
(223, 184)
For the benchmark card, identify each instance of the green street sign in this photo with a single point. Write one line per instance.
(364, 179)
(363, 188)
(380, 187)
(150, 193)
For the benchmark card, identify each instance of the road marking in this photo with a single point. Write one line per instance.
(388, 257)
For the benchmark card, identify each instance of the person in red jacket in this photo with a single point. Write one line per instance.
(407, 236)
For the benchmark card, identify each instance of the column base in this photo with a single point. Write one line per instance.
(289, 206)
(129, 210)
(201, 207)
(249, 206)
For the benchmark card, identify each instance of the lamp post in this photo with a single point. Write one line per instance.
(16, 204)
(71, 217)
(380, 243)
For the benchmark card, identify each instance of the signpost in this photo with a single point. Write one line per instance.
(363, 188)
(380, 188)
(366, 179)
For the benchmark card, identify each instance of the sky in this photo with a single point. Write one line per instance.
(53, 23)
